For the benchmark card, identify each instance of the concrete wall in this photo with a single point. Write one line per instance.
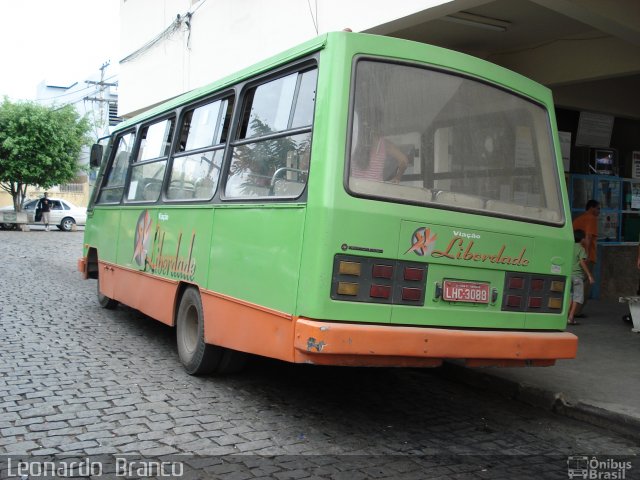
(618, 272)
(80, 198)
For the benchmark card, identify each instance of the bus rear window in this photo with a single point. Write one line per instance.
(430, 137)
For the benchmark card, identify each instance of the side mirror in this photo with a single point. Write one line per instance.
(95, 158)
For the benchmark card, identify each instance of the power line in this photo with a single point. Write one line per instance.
(74, 92)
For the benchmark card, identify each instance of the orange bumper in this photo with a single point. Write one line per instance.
(351, 344)
(82, 267)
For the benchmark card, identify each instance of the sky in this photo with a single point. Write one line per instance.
(58, 41)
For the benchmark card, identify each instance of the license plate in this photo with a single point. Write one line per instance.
(471, 292)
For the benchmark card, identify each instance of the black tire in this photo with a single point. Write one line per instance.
(104, 301)
(197, 357)
(8, 226)
(67, 224)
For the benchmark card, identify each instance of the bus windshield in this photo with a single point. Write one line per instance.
(432, 137)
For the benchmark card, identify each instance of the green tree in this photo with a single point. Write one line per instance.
(39, 145)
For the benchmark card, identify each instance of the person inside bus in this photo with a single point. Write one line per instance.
(376, 155)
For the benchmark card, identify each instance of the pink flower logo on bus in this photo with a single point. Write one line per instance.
(141, 242)
(422, 242)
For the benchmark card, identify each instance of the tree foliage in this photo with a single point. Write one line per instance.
(256, 163)
(39, 145)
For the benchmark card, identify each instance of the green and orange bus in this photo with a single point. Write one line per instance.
(356, 200)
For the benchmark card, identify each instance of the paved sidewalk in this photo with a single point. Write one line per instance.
(601, 385)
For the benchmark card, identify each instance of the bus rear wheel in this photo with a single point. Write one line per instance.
(198, 357)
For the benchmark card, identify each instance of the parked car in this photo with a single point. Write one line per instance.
(64, 214)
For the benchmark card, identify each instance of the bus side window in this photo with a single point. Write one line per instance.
(113, 186)
(275, 162)
(194, 176)
(147, 172)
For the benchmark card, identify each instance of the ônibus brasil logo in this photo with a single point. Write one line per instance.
(422, 242)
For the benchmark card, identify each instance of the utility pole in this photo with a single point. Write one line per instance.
(102, 86)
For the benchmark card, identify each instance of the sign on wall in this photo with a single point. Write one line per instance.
(594, 129)
(635, 164)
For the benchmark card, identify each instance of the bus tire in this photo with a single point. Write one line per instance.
(197, 357)
(104, 301)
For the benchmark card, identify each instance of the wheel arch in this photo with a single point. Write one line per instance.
(92, 263)
(182, 287)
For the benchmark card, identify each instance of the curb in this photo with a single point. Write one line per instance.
(625, 425)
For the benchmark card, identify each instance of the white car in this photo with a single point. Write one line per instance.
(64, 214)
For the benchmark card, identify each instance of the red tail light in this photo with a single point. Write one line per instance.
(380, 291)
(411, 294)
(526, 292)
(376, 280)
(383, 271)
(535, 302)
(537, 285)
(514, 301)
(413, 274)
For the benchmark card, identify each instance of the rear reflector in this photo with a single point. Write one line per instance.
(380, 291)
(555, 302)
(382, 271)
(413, 274)
(411, 294)
(514, 301)
(516, 283)
(537, 284)
(349, 268)
(346, 288)
(535, 302)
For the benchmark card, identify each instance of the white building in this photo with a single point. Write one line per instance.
(586, 51)
(96, 97)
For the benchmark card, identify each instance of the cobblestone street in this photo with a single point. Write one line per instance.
(76, 379)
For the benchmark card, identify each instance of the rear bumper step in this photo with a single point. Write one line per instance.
(332, 343)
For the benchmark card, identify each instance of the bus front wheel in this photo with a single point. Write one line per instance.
(197, 357)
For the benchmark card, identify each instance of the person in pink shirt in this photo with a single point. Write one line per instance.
(371, 165)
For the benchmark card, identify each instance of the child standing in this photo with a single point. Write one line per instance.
(578, 273)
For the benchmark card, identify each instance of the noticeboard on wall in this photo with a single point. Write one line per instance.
(635, 164)
(594, 129)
